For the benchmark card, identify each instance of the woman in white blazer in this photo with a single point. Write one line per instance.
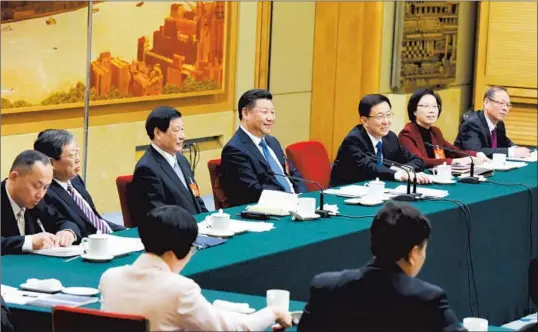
(152, 286)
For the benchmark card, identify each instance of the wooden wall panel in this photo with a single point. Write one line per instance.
(507, 56)
(347, 56)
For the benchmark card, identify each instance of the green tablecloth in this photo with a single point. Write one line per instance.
(290, 255)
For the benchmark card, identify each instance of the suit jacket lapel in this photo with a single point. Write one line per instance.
(8, 216)
(415, 132)
(485, 128)
(276, 149)
(185, 168)
(168, 170)
(30, 222)
(368, 142)
(66, 197)
(77, 184)
(252, 148)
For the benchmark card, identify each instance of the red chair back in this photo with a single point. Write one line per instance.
(218, 194)
(312, 161)
(68, 319)
(122, 182)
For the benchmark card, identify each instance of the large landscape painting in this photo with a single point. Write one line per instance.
(139, 50)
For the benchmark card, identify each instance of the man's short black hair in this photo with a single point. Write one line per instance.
(52, 141)
(248, 99)
(24, 162)
(491, 91)
(168, 227)
(369, 101)
(160, 118)
(396, 229)
(415, 99)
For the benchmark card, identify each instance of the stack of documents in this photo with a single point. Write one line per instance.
(532, 159)
(350, 191)
(424, 191)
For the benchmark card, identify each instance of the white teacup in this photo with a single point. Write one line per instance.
(95, 245)
(375, 189)
(498, 159)
(443, 172)
(278, 298)
(306, 206)
(220, 221)
(475, 324)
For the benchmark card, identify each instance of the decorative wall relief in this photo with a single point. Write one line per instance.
(425, 44)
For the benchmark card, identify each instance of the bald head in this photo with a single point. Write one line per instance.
(29, 178)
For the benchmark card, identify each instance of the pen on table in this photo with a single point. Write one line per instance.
(70, 259)
(29, 295)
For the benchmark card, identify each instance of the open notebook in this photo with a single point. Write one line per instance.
(118, 246)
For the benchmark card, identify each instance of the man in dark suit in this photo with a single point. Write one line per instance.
(163, 175)
(484, 131)
(383, 295)
(361, 154)
(27, 222)
(253, 160)
(67, 192)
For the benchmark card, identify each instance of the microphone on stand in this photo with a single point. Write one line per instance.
(471, 178)
(321, 212)
(410, 196)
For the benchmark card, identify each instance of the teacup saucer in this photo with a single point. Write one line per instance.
(366, 201)
(220, 233)
(92, 258)
(443, 181)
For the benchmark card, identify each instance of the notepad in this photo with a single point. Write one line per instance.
(50, 301)
(203, 242)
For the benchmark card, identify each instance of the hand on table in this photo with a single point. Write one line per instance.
(65, 238)
(43, 241)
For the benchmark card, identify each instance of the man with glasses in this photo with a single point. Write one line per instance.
(253, 160)
(484, 131)
(67, 193)
(362, 154)
(154, 287)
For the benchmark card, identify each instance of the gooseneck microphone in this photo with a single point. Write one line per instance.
(410, 196)
(471, 178)
(321, 212)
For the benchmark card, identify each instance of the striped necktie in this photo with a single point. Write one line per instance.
(274, 166)
(97, 222)
(379, 147)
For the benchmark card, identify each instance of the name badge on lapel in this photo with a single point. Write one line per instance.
(194, 188)
(438, 152)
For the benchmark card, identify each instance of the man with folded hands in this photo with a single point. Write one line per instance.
(383, 295)
(154, 288)
(27, 222)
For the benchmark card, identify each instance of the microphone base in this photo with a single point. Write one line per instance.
(323, 213)
(469, 179)
(407, 197)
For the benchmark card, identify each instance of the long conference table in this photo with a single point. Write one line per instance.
(503, 238)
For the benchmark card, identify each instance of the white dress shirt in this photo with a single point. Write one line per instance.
(398, 174)
(27, 245)
(491, 126)
(170, 301)
(256, 140)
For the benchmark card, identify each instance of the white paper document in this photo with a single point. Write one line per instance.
(424, 191)
(118, 246)
(16, 296)
(239, 226)
(276, 203)
(531, 159)
(350, 191)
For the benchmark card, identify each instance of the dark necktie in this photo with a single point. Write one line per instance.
(274, 166)
(379, 147)
(494, 138)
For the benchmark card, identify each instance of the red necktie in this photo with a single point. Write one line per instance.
(494, 138)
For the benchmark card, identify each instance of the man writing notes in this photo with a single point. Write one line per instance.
(484, 131)
(67, 192)
(153, 285)
(163, 175)
(27, 222)
(383, 295)
(252, 157)
(361, 155)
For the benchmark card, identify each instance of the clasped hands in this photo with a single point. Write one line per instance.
(422, 178)
(46, 240)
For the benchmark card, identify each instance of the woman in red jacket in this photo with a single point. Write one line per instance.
(424, 108)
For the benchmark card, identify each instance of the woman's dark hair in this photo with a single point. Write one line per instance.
(415, 99)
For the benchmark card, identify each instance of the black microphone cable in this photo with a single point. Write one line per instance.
(470, 266)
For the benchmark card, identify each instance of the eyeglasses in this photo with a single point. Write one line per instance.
(433, 107)
(73, 154)
(381, 116)
(508, 105)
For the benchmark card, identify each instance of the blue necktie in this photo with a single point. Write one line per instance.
(274, 166)
(379, 147)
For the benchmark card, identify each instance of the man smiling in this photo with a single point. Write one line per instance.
(252, 157)
(355, 161)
